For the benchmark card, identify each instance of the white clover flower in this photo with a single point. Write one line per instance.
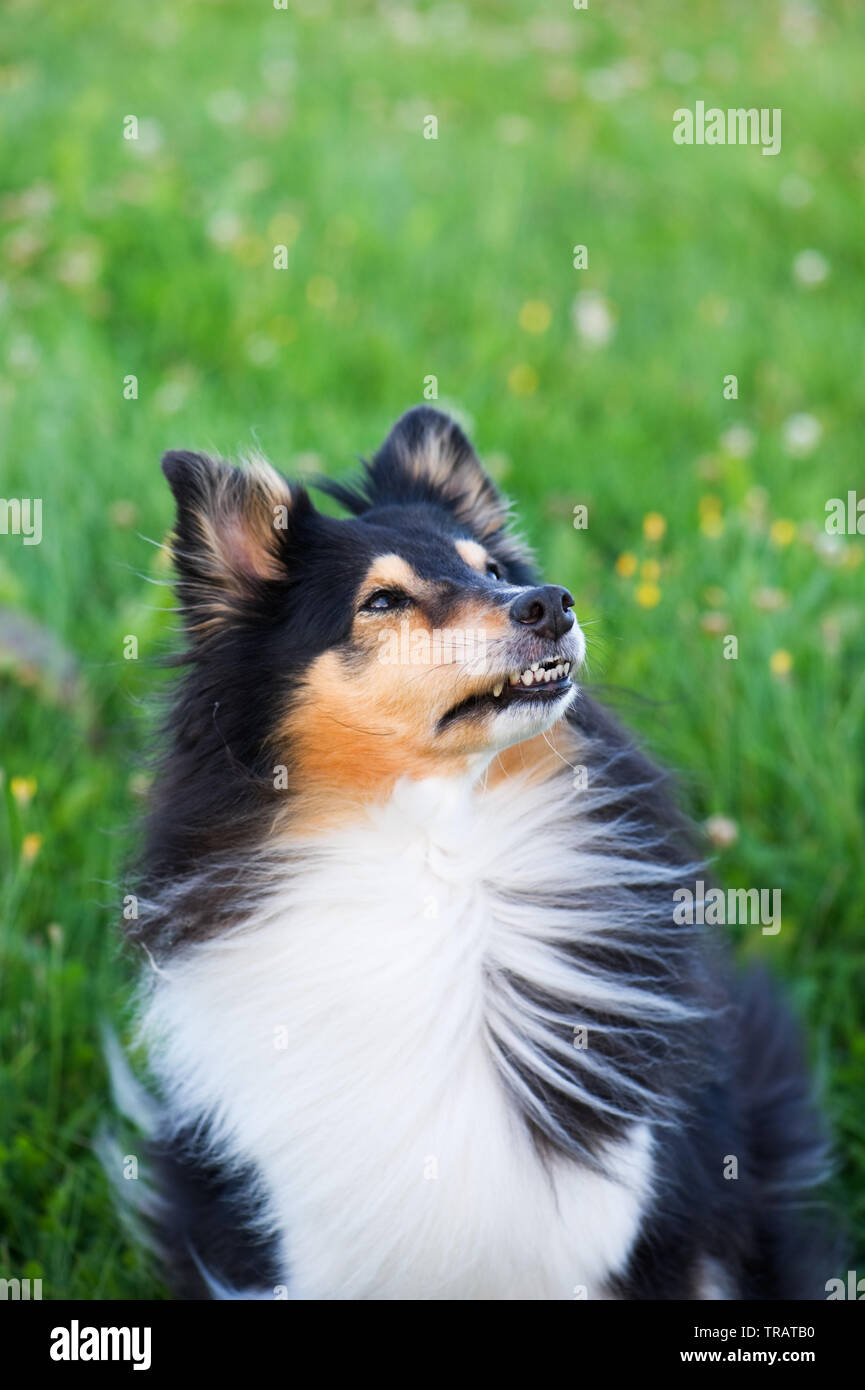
(737, 441)
(810, 268)
(796, 192)
(149, 137)
(802, 433)
(224, 228)
(593, 319)
(722, 831)
(829, 548)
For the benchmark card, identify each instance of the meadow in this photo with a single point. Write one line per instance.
(695, 381)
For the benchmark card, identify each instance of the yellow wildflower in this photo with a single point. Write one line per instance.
(647, 595)
(522, 380)
(535, 316)
(780, 662)
(654, 526)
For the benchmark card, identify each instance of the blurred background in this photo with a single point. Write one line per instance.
(140, 310)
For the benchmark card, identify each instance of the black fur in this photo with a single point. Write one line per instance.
(771, 1240)
(206, 1221)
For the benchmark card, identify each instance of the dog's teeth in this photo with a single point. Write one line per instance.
(567, 667)
(497, 690)
(536, 665)
(548, 675)
(527, 677)
(515, 678)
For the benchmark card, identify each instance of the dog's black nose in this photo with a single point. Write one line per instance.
(546, 611)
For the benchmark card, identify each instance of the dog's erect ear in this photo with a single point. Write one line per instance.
(427, 458)
(230, 536)
(427, 454)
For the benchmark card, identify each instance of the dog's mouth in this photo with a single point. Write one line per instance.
(541, 682)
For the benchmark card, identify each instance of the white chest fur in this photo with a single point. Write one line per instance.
(341, 1040)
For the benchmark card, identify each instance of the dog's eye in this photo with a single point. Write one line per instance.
(494, 570)
(384, 600)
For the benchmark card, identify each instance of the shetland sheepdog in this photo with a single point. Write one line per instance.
(420, 1017)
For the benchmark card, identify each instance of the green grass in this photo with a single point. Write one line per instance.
(410, 257)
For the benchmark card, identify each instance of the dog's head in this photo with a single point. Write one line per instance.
(407, 638)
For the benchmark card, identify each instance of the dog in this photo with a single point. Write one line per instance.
(421, 1020)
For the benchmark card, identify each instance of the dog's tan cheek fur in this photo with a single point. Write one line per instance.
(359, 724)
(349, 738)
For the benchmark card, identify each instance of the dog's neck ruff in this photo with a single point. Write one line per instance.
(422, 1033)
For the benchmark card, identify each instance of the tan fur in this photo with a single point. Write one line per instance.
(391, 572)
(246, 542)
(363, 720)
(474, 555)
(237, 546)
(539, 757)
(460, 478)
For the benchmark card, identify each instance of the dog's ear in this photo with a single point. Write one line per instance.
(427, 458)
(230, 539)
(426, 454)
